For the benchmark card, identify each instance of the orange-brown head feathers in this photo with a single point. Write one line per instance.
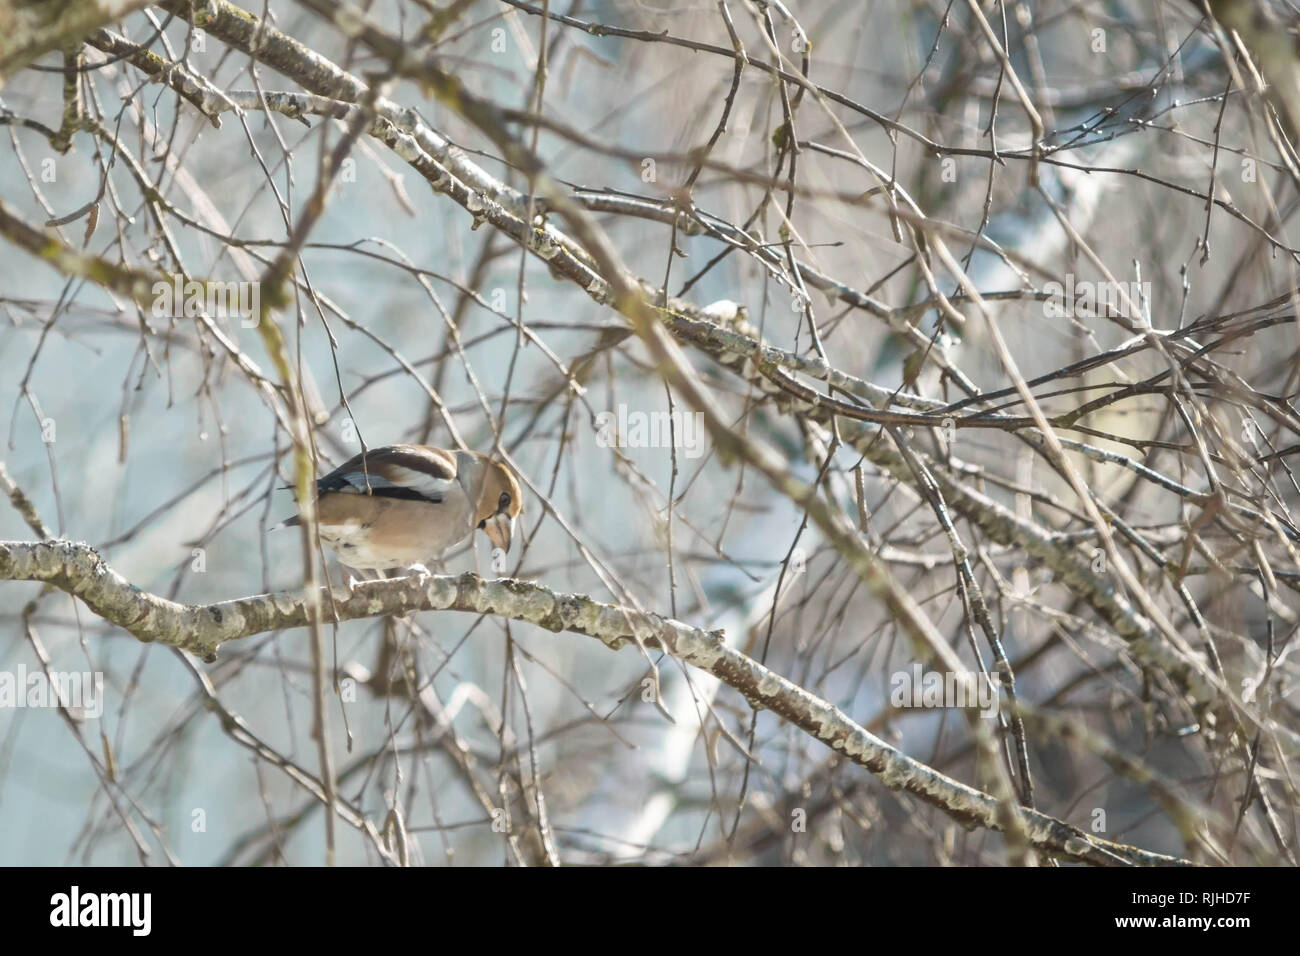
(499, 504)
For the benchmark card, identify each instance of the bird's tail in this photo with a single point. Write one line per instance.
(286, 523)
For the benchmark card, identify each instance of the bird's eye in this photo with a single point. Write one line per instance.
(504, 502)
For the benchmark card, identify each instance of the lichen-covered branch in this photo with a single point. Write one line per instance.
(29, 30)
(202, 629)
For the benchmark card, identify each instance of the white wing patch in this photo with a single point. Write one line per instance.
(426, 485)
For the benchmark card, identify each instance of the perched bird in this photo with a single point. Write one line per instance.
(401, 505)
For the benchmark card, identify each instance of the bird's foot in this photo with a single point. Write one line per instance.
(421, 574)
(353, 577)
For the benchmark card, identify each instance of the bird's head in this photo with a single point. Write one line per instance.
(499, 504)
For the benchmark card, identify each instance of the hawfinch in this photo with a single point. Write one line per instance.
(406, 504)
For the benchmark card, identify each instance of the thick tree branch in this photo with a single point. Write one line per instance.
(29, 30)
(202, 629)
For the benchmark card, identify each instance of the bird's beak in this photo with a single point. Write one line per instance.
(500, 528)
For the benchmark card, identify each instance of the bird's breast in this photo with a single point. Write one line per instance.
(371, 532)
